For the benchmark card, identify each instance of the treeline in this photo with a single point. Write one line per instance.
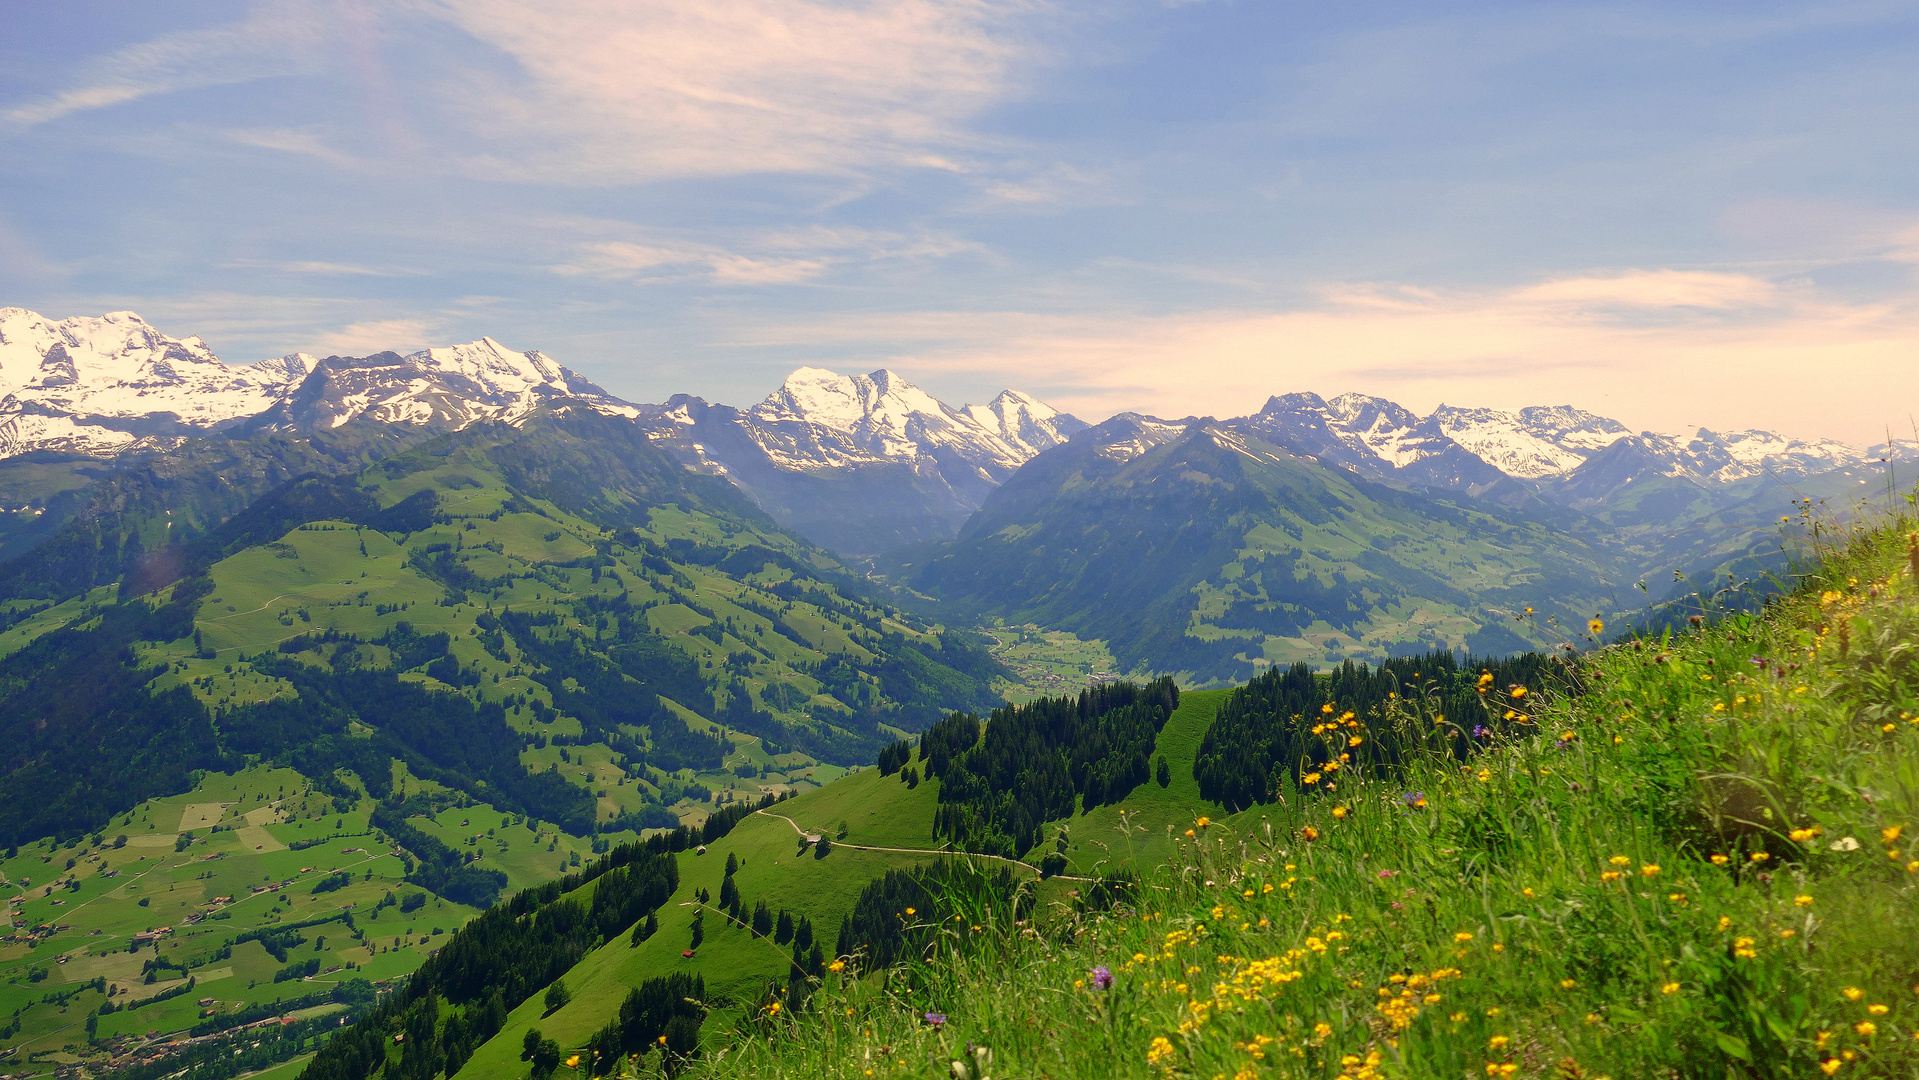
(1036, 761)
(440, 869)
(900, 914)
(1290, 724)
(666, 1011)
(622, 687)
(498, 960)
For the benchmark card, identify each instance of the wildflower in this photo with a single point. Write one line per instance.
(1481, 731)
(1719, 860)
(1760, 856)
(1161, 1049)
(1802, 901)
(1485, 679)
(1189, 832)
(1202, 822)
(1309, 833)
(773, 1009)
(1413, 798)
(1310, 778)
(1497, 1042)
(1462, 937)
(1877, 1010)
(1339, 811)
(1354, 740)
(1620, 860)
(836, 966)
(1866, 1028)
(1890, 834)
(1829, 1066)
(1518, 692)
(912, 911)
(1669, 988)
(1649, 870)
(1596, 626)
(573, 1062)
(1853, 993)
(1724, 923)
(1676, 897)
(1800, 836)
(1102, 977)
(936, 1020)
(1593, 1018)
(1457, 1018)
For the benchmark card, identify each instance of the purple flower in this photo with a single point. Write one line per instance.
(1481, 731)
(1384, 874)
(938, 1020)
(1102, 977)
(1413, 798)
(1760, 660)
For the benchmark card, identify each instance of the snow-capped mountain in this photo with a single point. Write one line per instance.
(821, 419)
(99, 385)
(96, 385)
(1471, 449)
(861, 462)
(442, 388)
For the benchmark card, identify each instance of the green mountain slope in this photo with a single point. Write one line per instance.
(559, 598)
(1206, 551)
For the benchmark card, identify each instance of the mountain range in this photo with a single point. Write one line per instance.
(116, 438)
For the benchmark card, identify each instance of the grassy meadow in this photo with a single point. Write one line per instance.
(1704, 864)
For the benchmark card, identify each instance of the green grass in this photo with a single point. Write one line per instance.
(1699, 867)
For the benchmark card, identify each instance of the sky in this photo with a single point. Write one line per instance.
(1678, 215)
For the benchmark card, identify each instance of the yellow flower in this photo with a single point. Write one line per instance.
(1853, 993)
(1866, 1028)
(1620, 860)
(1724, 923)
(1719, 860)
(1568, 984)
(1339, 811)
(1497, 1042)
(1760, 856)
(1669, 988)
(1309, 833)
(1203, 822)
(1189, 832)
(1462, 937)
(1596, 626)
(912, 911)
(773, 1009)
(1649, 870)
(1829, 1066)
(1518, 692)
(573, 1062)
(1800, 836)
(836, 966)
(1162, 1048)
(1802, 900)
(1877, 1010)
(1891, 834)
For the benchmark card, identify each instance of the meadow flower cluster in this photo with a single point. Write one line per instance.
(1697, 864)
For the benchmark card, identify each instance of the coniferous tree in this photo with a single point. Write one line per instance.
(784, 932)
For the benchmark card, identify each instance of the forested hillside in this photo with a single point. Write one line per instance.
(1206, 551)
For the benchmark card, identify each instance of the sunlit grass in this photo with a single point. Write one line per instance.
(1704, 865)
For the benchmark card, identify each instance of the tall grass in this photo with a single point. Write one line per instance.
(1704, 865)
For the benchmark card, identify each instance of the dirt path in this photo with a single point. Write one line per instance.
(921, 851)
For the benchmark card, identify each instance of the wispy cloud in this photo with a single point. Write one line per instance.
(326, 269)
(279, 38)
(607, 90)
(1730, 351)
(779, 257)
(378, 335)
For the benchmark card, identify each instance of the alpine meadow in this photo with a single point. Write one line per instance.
(958, 540)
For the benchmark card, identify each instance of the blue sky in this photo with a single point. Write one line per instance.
(1676, 215)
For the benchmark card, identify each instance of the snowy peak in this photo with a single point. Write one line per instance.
(443, 388)
(822, 419)
(1537, 441)
(99, 385)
